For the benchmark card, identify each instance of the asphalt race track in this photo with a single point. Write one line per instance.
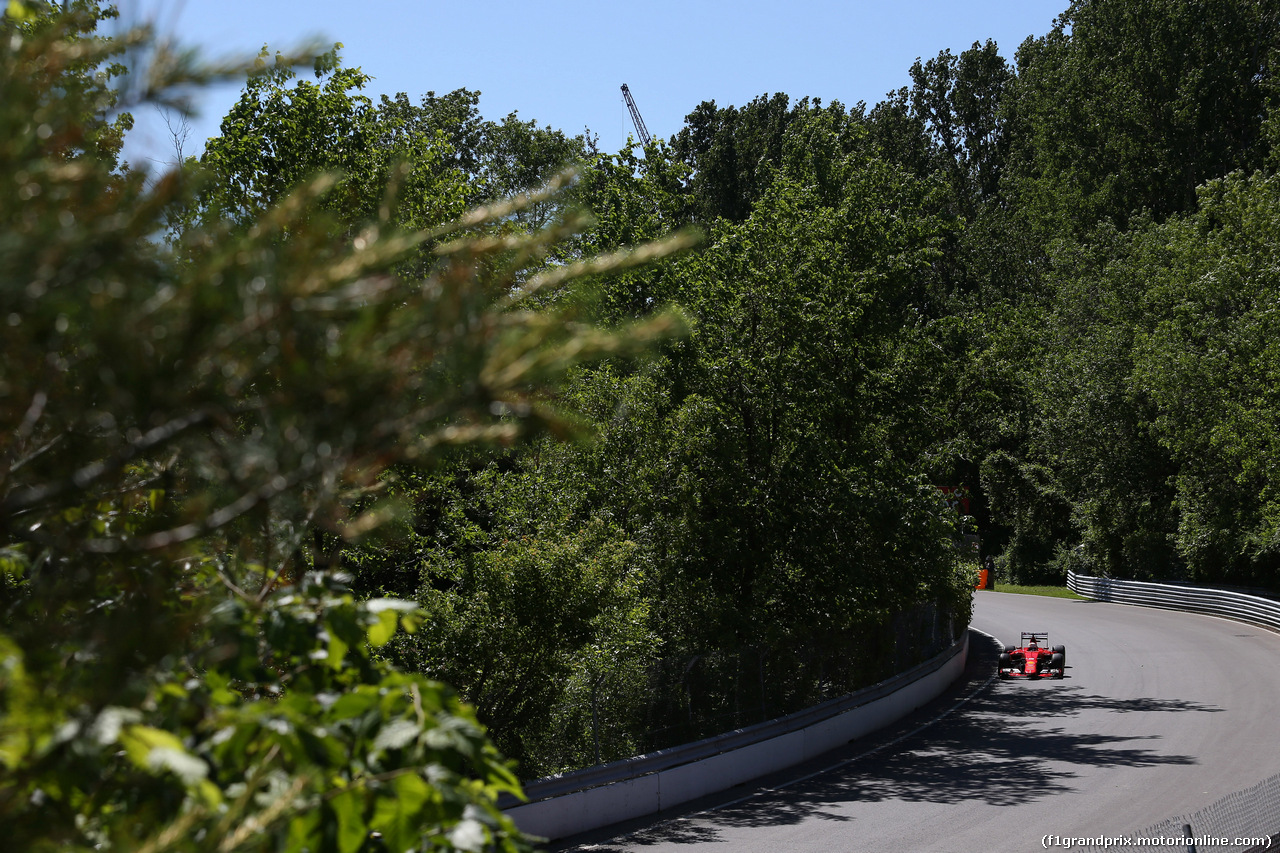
(1161, 713)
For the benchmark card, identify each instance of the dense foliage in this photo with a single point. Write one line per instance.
(296, 434)
(192, 428)
(1141, 149)
(759, 502)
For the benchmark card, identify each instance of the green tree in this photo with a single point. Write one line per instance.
(539, 597)
(1205, 353)
(188, 426)
(284, 131)
(440, 154)
(959, 99)
(801, 404)
(761, 497)
(498, 159)
(632, 199)
(734, 153)
(900, 135)
(1128, 106)
(1093, 428)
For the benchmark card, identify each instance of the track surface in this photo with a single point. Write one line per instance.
(1161, 713)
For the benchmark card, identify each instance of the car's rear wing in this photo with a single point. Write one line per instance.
(1035, 637)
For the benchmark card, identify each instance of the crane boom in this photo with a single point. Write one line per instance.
(641, 130)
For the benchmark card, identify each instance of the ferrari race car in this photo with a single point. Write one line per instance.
(1034, 658)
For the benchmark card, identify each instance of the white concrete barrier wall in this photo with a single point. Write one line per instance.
(595, 807)
(697, 779)
(602, 805)
(859, 722)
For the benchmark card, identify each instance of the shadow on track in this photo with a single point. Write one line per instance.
(1002, 749)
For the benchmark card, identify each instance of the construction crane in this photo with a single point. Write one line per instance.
(641, 130)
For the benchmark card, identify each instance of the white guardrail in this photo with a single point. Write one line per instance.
(1215, 602)
(598, 796)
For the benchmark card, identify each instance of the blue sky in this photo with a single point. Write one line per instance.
(562, 63)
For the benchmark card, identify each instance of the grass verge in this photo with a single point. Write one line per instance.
(1051, 591)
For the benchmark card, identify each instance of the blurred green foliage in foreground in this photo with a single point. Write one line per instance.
(181, 668)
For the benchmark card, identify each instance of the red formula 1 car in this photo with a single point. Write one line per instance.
(1034, 658)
